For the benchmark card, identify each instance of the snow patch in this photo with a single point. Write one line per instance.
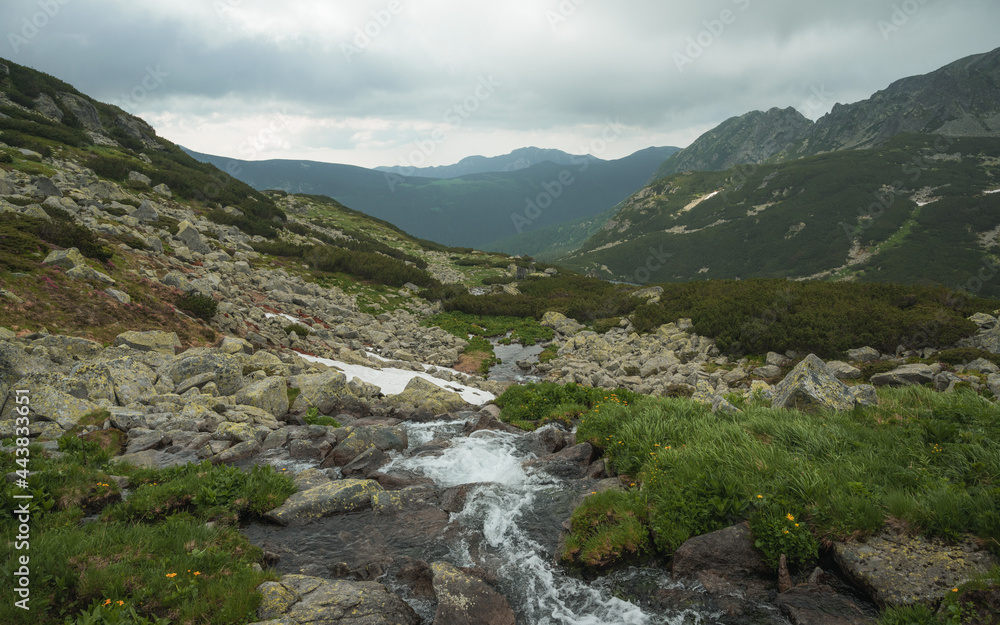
(289, 317)
(393, 381)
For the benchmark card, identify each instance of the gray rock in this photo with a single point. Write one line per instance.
(769, 371)
(864, 354)
(120, 296)
(151, 341)
(154, 459)
(906, 375)
(464, 599)
(269, 394)
(982, 365)
(819, 604)
(324, 391)
(984, 321)
(47, 107)
(84, 272)
(777, 360)
(67, 259)
(727, 551)
(228, 369)
(316, 601)
(843, 371)
(561, 323)
(812, 386)
(864, 394)
(192, 238)
(45, 186)
(83, 110)
(163, 189)
(363, 438)
(899, 570)
(323, 501)
(178, 280)
(146, 212)
(141, 178)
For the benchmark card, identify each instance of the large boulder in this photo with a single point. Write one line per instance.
(66, 259)
(899, 570)
(91, 381)
(323, 391)
(270, 394)
(323, 501)
(15, 363)
(467, 600)
(571, 463)
(727, 552)
(50, 404)
(133, 380)
(811, 386)
(227, 368)
(561, 323)
(192, 238)
(820, 604)
(146, 212)
(152, 341)
(906, 375)
(425, 395)
(362, 439)
(317, 601)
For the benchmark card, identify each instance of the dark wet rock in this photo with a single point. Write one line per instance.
(238, 452)
(368, 462)
(819, 604)
(728, 550)
(309, 449)
(418, 576)
(396, 481)
(488, 422)
(318, 601)
(407, 500)
(570, 463)
(311, 478)
(453, 499)
(899, 570)
(467, 600)
(326, 500)
(554, 439)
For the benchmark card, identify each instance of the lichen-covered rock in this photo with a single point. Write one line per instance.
(85, 272)
(561, 323)
(906, 375)
(863, 354)
(318, 601)
(812, 386)
(192, 238)
(241, 432)
(228, 369)
(152, 341)
(50, 404)
(15, 363)
(324, 391)
(425, 395)
(269, 394)
(899, 570)
(843, 370)
(323, 501)
(362, 439)
(467, 600)
(91, 381)
(67, 259)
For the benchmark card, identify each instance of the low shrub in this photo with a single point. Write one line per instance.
(201, 306)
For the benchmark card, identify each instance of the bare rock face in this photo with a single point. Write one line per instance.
(819, 604)
(465, 599)
(898, 570)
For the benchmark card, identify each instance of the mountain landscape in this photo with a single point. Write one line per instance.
(521, 158)
(751, 381)
(473, 210)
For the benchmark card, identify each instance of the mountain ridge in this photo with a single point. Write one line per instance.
(521, 158)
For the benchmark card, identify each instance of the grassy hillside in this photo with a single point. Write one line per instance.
(916, 211)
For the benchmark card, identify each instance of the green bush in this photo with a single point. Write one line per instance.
(201, 306)
(607, 528)
(536, 401)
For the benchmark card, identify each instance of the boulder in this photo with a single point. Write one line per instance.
(228, 369)
(192, 238)
(570, 463)
(317, 601)
(15, 363)
(50, 404)
(85, 272)
(45, 187)
(146, 212)
(366, 463)
(863, 354)
(906, 375)
(899, 570)
(152, 341)
(561, 323)
(269, 394)
(843, 370)
(133, 380)
(427, 396)
(727, 551)
(323, 501)
(67, 259)
(324, 391)
(812, 386)
(139, 177)
(467, 600)
(90, 381)
(362, 439)
(819, 604)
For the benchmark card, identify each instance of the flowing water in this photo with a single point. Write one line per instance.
(511, 523)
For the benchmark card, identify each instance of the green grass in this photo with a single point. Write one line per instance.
(931, 461)
(542, 402)
(154, 552)
(522, 330)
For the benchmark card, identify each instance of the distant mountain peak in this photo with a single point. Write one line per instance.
(521, 158)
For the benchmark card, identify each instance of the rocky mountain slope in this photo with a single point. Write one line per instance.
(961, 99)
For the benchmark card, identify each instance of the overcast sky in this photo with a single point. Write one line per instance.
(428, 82)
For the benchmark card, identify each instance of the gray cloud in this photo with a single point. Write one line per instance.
(668, 69)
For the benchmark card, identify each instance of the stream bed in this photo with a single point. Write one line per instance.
(475, 503)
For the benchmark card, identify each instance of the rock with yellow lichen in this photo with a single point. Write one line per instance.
(323, 501)
(299, 599)
(899, 570)
(812, 386)
(465, 599)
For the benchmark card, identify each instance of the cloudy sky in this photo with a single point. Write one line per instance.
(428, 82)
